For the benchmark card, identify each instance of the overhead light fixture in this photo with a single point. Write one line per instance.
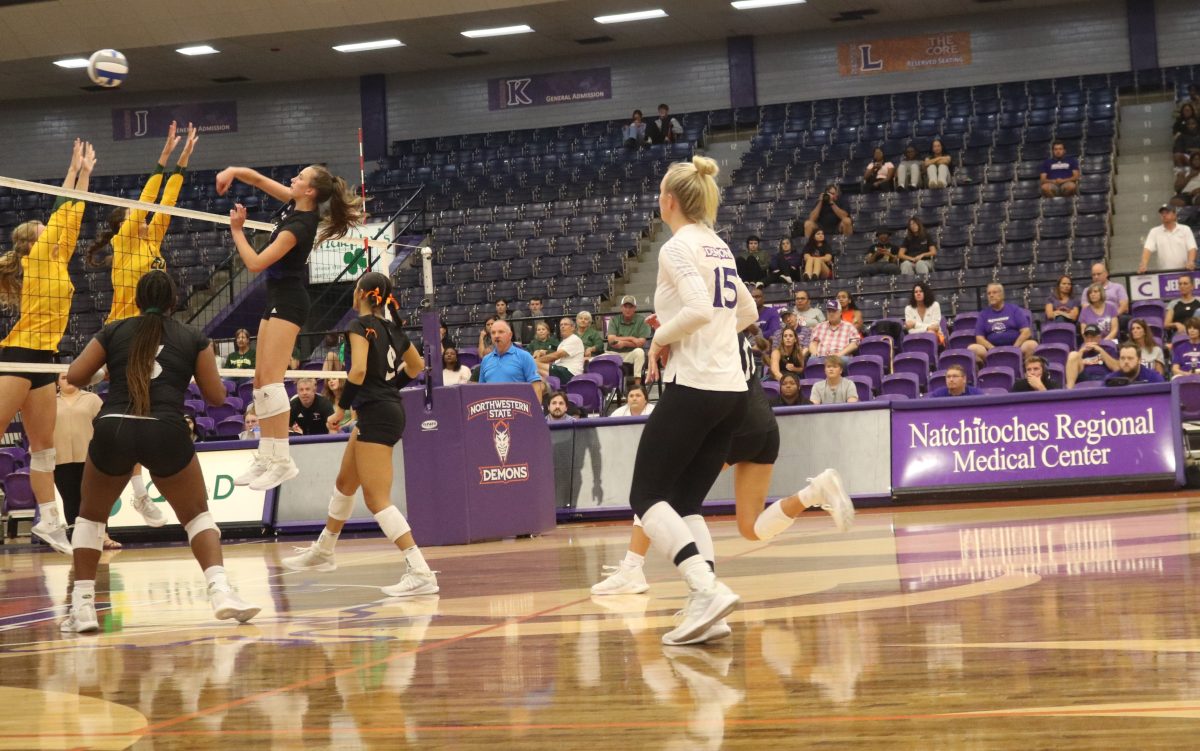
(752, 4)
(638, 15)
(497, 32)
(379, 44)
(72, 62)
(199, 49)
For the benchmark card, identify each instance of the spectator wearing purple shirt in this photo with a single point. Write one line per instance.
(956, 384)
(1185, 356)
(1091, 362)
(1099, 312)
(1060, 173)
(1001, 324)
(1130, 369)
(1061, 306)
(1114, 292)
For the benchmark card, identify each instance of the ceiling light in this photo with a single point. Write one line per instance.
(379, 44)
(640, 15)
(752, 4)
(497, 32)
(72, 62)
(200, 49)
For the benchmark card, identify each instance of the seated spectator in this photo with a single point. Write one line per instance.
(938, 166)
(332, 390)
(593, 340)
(1114, 291)
(788, 263)
(879, 172)
(1061, 306)
(1185, 112)
(829, 214)
(1001, 324)
(1130, 369)
(1171, 243)
(956, 384)
(787, 320)
(635, 132)
(558, 410)
(834, 389)
(1187, 183)
(509, 364)
(501, 310)
(1186, 306)
(834, 336)
(628, 334)
(453, 372)
(789, 392)
(444, 332)
(1186, 142)
(1091, 362)
(908, 174)
(252, 432)
(636, 404)
(664, 128)
(789, 356)
(310, 410)
(818, 257)
(542, 340)
(330, 343)
(882, 259)
(1151, 354)
(242, 356)
(768, 324)
(1037, 377)
(807, 316)
(754, 265)
(1060, 173)
(849, 310)
(529, 320)
(566, 362)
(917, 251)
(191, 428)
(1185, 355)
(1099, 312)
(923, 313)
(486, 343)
(332, 362)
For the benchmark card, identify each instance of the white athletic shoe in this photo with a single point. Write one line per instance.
(54, 535)
(226, 604)
(835, 499)
(151, 513)
(703, 609)
(716, 632)
(81, 619)
(261, 463)
(621, 580)
(413, 583)
(312, 558)
(281, 469)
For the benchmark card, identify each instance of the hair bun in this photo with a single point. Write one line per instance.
(705, 166)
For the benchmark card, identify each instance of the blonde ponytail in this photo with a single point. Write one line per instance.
(695, 188)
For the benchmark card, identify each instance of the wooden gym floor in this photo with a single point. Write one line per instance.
(1026, 626)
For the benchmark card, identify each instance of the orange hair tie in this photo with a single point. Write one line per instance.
(392, 301)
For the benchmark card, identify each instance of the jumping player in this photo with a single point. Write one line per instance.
(33, 276)
(303, 222)
(151, 359)
(382, 360)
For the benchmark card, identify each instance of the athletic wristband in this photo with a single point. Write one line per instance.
(349, 391)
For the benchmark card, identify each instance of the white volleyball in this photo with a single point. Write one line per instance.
(107, 68)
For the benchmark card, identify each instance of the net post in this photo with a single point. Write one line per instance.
(431, 328)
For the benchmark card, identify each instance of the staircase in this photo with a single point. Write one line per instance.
(1144, 176)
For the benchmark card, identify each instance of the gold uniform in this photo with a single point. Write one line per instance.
(133, 256)
(46, 288)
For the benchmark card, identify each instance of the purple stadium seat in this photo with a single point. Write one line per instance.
(960, 340)
(1189, 396)
(936, 381)
(205, 426)
(1005, 357)
(901, 384)
(916, 364)
(863, 385)
(958, 357)
(1054, 353)
(18, 498)
(877, 346)
(1059, 333)
(925, 341)
(806, 387)
(230, 427)
(996, 378)
(469, 356)
(195, 406)
(868, 367)
(222, 412)
(587, 387)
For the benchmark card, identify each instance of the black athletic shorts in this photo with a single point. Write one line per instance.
(380, 422)
(118, 443)
(756, 448)
(24, 354)
(287, 299)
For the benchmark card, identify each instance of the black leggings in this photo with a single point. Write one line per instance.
(684, 446)
(68, 478)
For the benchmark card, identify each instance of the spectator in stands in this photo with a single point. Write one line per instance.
(559, 407)
(938, 166)
(1187, 183)
(444, 332)
(251, 431)
(818, 257)
(834, 389)
(593, 340)
(1172, 243)
(1185, 355)
(1186, 142)
(956, 384)
(1091, 362)
(310, 410)
(509, 364)
(768, 324)
(664, 128)
(789, 356)
(1185, 307)
(1099, 312)
(908, 175)
(879, 172)
(628, 334)
(923, 313)
(332, 390)
(635, 132)
(787, 320)
(1001, 324)
(191, 428)
(542, 340)
(501, 309)
(754, 265)
(917, 251)
(1186, 112)
(486, 343)
(1130, 369)
(453, 371)
(636, 404)
(789, 392)
(1060, 173)
(806, 315)
(788, 263)
(1061, 306)
(529, 323)
(1037, 377)
(882, 259)
(1151, 354)
(330, 343)
(849, 310)
(829, 214)
(1114, 291)
(566, 362)
(242, 356)
(835, 336)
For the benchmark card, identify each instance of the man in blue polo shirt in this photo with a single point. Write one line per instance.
(956, 384)
(1001, 324)
(1130, 369)
(1060, 173)
(508, 364)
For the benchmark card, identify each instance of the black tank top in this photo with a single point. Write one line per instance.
(173, 369)
(385, 360)
(302, 224)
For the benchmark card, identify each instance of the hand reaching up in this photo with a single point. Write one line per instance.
(188, 146)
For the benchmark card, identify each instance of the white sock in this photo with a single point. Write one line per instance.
(633, 560)
(772, 521)
(666, 528)
(215, 576)
(266, 447)
(282, 449)
(85, 589)
(704, 542)
(810, 496)
(327, 540)
(415, 560)
(49, 512)
(697, 574)
(139, 486)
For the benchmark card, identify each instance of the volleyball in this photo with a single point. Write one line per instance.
(107, 68)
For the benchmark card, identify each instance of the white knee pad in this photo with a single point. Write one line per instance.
(88, 534)
(271, 400)
(340, 506)
(42, 461)
(199, 523)
(392, 522)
